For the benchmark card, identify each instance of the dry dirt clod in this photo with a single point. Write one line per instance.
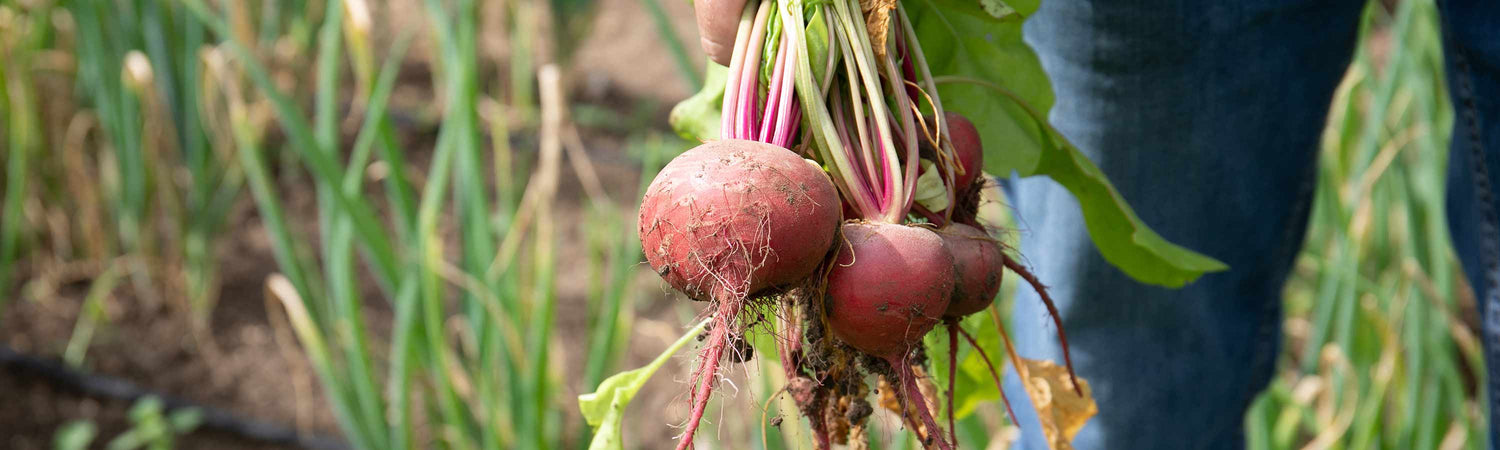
(877, 22)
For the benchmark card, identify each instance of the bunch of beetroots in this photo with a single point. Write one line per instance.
(818, 221)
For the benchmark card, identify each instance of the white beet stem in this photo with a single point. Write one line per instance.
(868, 76)
(811, 97)
(923, 73)
(748, 102)
(713, 351)
(732, 82)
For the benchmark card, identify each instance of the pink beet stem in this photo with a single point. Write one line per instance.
(907, 70)
(912, 155)
(749, 75)
(773, 95)
(953, 373)
(1041, 291)
(791, 116)
(728, 123)
(913, 394)
(749, 89)
(864, 195)
(887, 188)
(994, 374)
(786, 116)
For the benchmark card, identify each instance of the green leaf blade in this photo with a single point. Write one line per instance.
(605, 408)
(986, 72)
(697, 118)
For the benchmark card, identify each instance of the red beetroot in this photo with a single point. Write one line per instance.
(890, 285)
(733, 217)
(728, 219)
(966, 143)
(977, 265)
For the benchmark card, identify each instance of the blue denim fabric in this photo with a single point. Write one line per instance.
(1206, 116)
(1471, 48)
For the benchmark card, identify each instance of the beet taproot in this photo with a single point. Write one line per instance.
(889, 286)
(969, 149)
(726, 220)
(733, 217)
(978, 266)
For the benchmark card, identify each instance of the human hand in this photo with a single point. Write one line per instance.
(718, 23)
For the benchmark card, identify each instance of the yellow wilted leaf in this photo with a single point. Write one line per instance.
(1060, 409)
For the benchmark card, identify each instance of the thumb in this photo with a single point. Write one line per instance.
(718, 23)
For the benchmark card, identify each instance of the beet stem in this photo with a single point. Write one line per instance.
(908, 71)
(728, 122)
(749, 104)
(914, 394)
(771, 120)
(953, 373)
(786, 114)
(793, 115)
(1041, 290)
(864, 196)
(994, 374)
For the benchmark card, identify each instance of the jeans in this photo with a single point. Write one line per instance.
(1206, 116)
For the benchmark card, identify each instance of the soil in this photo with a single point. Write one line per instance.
(246, 360)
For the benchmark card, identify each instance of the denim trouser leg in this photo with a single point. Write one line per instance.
(1471, 49)
(1206, 117)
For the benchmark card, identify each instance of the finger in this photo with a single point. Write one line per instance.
(718, 22)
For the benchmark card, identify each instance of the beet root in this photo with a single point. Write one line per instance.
(889, 286)
(733, 217)
(966, 144)
(726, 220)
(911, 394)
(978, 264)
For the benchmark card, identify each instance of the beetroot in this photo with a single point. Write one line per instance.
(977, 265)
(966, 144)
(734, 219)
(890, 285)
(728, 219)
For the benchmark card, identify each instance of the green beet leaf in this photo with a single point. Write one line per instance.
(986, 72)
(604, 408)
(697, 118)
